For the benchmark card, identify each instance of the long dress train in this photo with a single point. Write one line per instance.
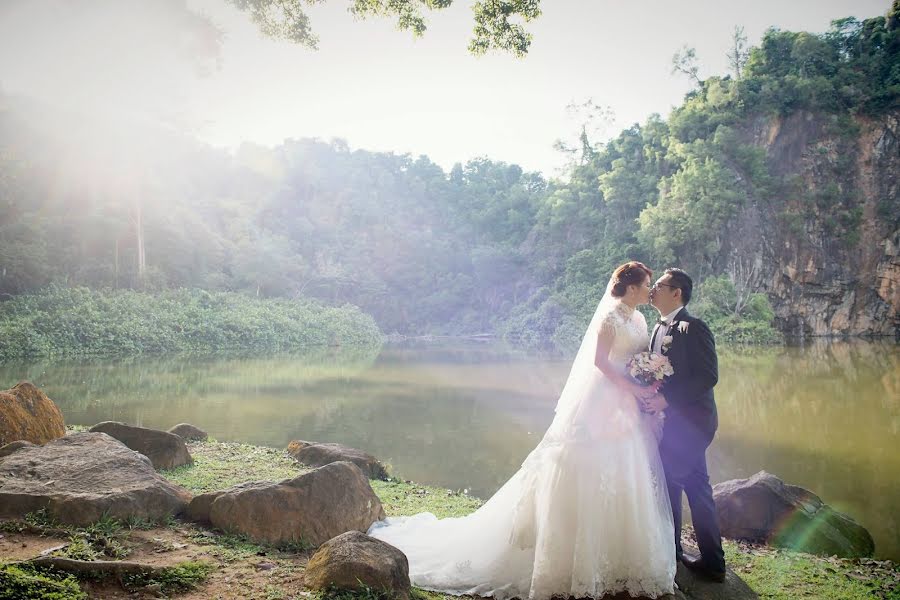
(586, 515)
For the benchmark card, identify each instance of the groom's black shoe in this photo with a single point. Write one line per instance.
(696, 564)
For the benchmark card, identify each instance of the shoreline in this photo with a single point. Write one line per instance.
(201, 563)
(771, 572)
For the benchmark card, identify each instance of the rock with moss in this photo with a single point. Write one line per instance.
(165, 450)
(26, 413)
(354, 561)
(766, 509)
(309, 509)
(316, 454)
(83, 477)
(189, 433)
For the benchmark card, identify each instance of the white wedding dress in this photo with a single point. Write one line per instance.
(586, 515)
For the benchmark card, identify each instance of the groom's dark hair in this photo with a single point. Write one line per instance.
(682, 281)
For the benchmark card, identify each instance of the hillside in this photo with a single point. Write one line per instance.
(775, 186)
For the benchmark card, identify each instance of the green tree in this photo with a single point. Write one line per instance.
(685, 62)
(495, 20)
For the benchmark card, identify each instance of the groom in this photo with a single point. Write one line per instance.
(691, 419)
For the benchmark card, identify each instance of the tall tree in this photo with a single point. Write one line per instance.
(739, 51)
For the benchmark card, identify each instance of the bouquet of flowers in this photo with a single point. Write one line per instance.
(648, 368)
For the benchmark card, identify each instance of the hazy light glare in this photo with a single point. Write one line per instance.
(121, 60)
(380, 89)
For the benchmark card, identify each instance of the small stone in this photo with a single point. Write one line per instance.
(165, 450)
(317, 454)
(189, 433)
(354, 561)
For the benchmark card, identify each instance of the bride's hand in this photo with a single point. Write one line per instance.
(640, 391)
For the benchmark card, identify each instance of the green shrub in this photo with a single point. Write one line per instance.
(748, 322)
(17, 583)
(80, 321)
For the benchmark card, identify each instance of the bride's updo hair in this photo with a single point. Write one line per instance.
(631, 273)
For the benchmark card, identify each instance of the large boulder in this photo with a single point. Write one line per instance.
(82, 477)
(764, 508)
(26, 413)
(311, 508)
(354, 561)
(189, 433)
(165, 450)
(317, 454)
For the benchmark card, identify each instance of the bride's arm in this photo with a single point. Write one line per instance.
(605, 338)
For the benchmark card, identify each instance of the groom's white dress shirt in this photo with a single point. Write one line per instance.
(659, 332)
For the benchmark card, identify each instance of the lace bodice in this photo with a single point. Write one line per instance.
(630, 328)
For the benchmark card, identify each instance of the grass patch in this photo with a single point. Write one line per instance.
(368, 593)
(219, 465)
(178, 578)
(18, 582)
(406, 498)
(787, 575)
(230, 547)
(105, 539)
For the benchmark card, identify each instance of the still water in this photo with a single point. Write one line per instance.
(464, 415)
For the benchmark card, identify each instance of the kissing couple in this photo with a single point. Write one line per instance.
(595, 508)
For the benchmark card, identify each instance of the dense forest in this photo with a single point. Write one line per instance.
(486, 247)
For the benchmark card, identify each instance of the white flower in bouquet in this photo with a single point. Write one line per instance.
(649, 367)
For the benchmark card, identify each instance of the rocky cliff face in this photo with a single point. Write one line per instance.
(830, 238)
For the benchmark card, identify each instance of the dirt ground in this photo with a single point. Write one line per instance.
(265, 574)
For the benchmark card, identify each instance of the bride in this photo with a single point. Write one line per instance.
(587, 514)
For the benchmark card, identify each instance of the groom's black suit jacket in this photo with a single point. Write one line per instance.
(691, 415)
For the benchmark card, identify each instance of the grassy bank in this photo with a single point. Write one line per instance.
(199, 563)
(78, 321)
(772, 573)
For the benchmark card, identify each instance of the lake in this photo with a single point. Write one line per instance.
(825, 416)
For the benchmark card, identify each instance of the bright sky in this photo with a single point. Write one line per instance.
(380, 89)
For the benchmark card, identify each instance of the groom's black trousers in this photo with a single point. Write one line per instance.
(685, 469)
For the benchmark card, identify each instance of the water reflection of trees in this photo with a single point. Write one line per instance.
(441, 417)
(825, 416)
(77, 384)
